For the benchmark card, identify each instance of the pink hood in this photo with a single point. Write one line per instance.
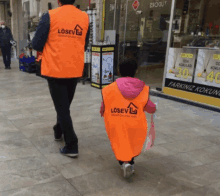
(130, 87)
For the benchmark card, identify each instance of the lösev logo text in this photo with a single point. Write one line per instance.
(131, 109)
(77, 31)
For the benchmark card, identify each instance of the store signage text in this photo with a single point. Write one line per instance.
(107, 49)
(186, 55)
(185, 63)
(77, 31)
(158, 4)
(194, 88)
(131, 109)
(95, 54)
(216, 56)
(95, 49)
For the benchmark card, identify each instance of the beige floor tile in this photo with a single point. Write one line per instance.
(29, 178)
(18, 153)
(81, 167)
(57, 188)
(17, 165)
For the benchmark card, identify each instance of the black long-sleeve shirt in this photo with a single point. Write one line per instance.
(5, 36)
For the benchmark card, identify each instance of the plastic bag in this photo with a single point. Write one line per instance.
(150, 136)
(13, 53)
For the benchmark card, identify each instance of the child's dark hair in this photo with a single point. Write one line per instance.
(128, 68)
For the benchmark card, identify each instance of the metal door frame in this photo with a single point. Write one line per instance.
(168, 41)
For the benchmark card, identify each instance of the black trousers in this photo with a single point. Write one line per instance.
(62, 92)
(6, 53)
(131, 162)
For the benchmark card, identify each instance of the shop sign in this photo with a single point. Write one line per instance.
(95, 69)
(158, 4)
(208, 68)
(206, 79)
(108, 49)
(96, 49)
(96, 85)
(181, 63)
(201, 89)
(107, 67)
(135, 5)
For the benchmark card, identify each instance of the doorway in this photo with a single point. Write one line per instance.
(143, 34)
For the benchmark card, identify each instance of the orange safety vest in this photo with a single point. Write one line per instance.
(125, 121)
(63, 53)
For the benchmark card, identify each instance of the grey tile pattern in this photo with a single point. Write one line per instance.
(184, 161)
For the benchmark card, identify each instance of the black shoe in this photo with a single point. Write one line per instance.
(6, 67)
(57, 133)
(69, 153)
(9, 67)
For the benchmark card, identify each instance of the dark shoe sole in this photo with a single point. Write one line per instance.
(72, 155)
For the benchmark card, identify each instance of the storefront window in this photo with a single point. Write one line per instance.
(142, 30)
(195, 25)
(193, 60)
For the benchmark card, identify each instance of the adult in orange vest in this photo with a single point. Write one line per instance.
(63, 35)
(124, 103)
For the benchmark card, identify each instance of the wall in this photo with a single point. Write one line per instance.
(44, 4)
(17, 23)
(2, 12)
(4, 8)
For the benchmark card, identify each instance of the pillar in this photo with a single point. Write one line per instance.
(2, 11)
(17, 23)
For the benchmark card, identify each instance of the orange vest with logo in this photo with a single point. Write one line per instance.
(125, 121)
(63, 53)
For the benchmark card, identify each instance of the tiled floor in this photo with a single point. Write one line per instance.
(185, 160)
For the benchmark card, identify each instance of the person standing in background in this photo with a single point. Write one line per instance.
(63, 36)
(5, 43)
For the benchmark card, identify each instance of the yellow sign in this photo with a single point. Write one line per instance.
(183, 72)
(95, 49)
(210, 77)
(216, 56)
(96, 85)
(104, 86)
(186, 55)
(192, 96)
(107, 49)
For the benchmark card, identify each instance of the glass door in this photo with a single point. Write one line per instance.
(143, 33)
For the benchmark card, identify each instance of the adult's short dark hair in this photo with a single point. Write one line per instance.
(66, 2)
(128, 68)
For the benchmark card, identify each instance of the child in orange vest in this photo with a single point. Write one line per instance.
(123, 106)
